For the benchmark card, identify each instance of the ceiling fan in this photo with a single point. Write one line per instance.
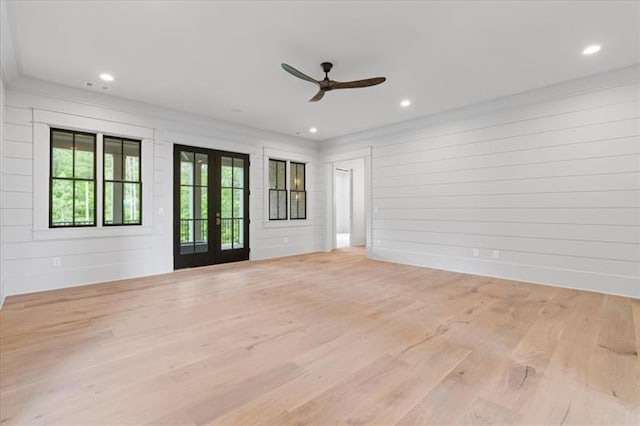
(325, 85)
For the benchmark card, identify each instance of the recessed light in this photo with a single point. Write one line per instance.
(106, 77)
(313, 130)
(405, 103)
(590, 50)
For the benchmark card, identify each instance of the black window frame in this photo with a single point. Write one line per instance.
(73, 179)
(279, 192)
(297, 190)
(123, 181)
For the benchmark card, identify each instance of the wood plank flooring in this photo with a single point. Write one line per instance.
(327, 338)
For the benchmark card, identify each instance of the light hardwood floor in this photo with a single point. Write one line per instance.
(328, 338)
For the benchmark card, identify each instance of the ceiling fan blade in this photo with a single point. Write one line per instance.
(291, 70)
(318, 96)
(356, 84)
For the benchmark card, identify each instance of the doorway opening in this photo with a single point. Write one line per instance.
(211, 206)
(349, 201)
(343, 207)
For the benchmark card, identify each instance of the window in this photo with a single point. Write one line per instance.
(277, 190)
(72, 183)
(298, 193)
(122, 182)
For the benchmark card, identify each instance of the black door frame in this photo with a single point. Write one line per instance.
(214, 255)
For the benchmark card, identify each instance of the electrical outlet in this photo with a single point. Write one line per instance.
(57, 262)
(375, 209)
(476, 252)
(378, 243)
(161, 211)
(286, 240)
(496, 254)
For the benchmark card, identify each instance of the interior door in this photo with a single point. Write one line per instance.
(211, 206)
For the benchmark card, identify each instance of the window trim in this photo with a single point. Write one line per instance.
(43, 120)
(73, 179)
(123, 181)
(277, 153)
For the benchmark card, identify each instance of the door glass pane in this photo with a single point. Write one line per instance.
(226, 202)
(201, 202)
(226, 226)
(238, 203)
(186, 168)
(226, 172)
(238, 233)
(238, 173)
(186, 202)
(201, 236)
(202, 166)
(186, 236)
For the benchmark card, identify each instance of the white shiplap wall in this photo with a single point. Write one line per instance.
(27, 256)
(2, 270)
(550, 179)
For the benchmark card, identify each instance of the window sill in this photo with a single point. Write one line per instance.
(287, 223)
(93, 232)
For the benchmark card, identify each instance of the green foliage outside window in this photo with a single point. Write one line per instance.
(72, 183)
(194, 201)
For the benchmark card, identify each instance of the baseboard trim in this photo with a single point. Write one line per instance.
(616, 285)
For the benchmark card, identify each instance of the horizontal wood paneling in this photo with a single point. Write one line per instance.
(548, 200)
(541, 260)
(526, 129)
(593, 149)
(17, 150)
(27, 257)
(502, 241)
(612, 181)
(506, 215)
(551, 181)
(567, 231)
(581, 167)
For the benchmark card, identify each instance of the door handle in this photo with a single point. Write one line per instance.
(218, 219)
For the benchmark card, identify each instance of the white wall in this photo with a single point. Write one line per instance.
(549, 178)
(101, 255)
(2, 269)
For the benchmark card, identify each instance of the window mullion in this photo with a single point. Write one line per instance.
(73, 180)
(121, 181)
(99, 181)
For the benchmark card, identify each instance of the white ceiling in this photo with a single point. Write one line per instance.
(209, 58)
